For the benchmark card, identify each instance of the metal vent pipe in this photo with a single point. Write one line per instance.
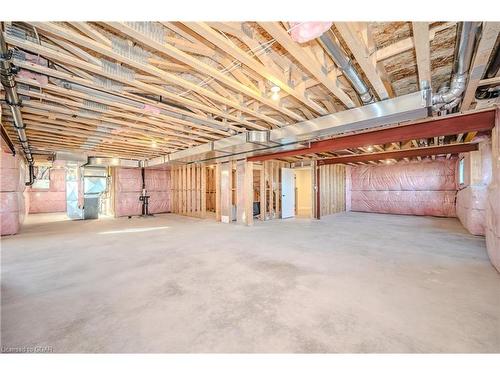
(344, 63)
(7, 71)
(467, 34)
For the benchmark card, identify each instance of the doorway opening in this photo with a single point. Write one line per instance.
(303, 192)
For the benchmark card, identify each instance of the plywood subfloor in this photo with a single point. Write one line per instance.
(351, 282)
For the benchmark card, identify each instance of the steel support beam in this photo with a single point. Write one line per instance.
(433, 127)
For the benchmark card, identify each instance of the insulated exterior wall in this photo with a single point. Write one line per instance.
(54, 198)
(472, 196)
(415, 188)
(158, 188)
(13, 200)
(493, 200)
(128, 188)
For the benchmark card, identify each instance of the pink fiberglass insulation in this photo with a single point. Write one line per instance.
(432, 203)
(416, 188)
(348, 188)
(152, 109)
(12, 201)
(128, 180)
(471, 208)
(493, 201)
(43, 80)
(129, 188)
(10, 179)
(157, 180)
(47, 201)
(128, 204)
(158, 187)
(159, 202)
(52, 199)
(415, 176)
(493, 227)
(472, 199)
(302, 32)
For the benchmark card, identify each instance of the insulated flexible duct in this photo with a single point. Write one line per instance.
(449, 99)
(344, 63)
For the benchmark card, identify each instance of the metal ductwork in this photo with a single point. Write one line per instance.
(7, 71)
(446, 100)
(94, 161)
(344, 63)
(387, 112)
(133, 103)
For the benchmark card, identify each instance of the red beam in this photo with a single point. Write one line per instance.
(401, 154)
(434, 127)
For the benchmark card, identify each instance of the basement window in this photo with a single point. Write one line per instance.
(461, 180)
(42, 178)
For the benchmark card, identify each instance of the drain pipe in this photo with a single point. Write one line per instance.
(7, 71)
(344, 63)
(448, 99)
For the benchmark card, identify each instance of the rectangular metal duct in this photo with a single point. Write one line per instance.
(160, 160)
(236, 144)
(392, 111)
(403, 108)
(113, 162)
(71, 156)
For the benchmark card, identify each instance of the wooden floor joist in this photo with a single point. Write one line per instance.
(452, 149)
(176, 85)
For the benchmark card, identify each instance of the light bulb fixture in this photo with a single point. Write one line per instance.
(275, 92)
(275, 89)
(369, 148)
(153, 144)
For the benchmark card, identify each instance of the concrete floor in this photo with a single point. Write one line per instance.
(352, 282)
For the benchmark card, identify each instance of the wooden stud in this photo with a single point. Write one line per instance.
(262, 190)
(422, 49)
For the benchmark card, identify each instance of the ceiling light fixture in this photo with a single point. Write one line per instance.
(275, 92)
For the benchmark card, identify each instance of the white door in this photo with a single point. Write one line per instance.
(287, 193)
